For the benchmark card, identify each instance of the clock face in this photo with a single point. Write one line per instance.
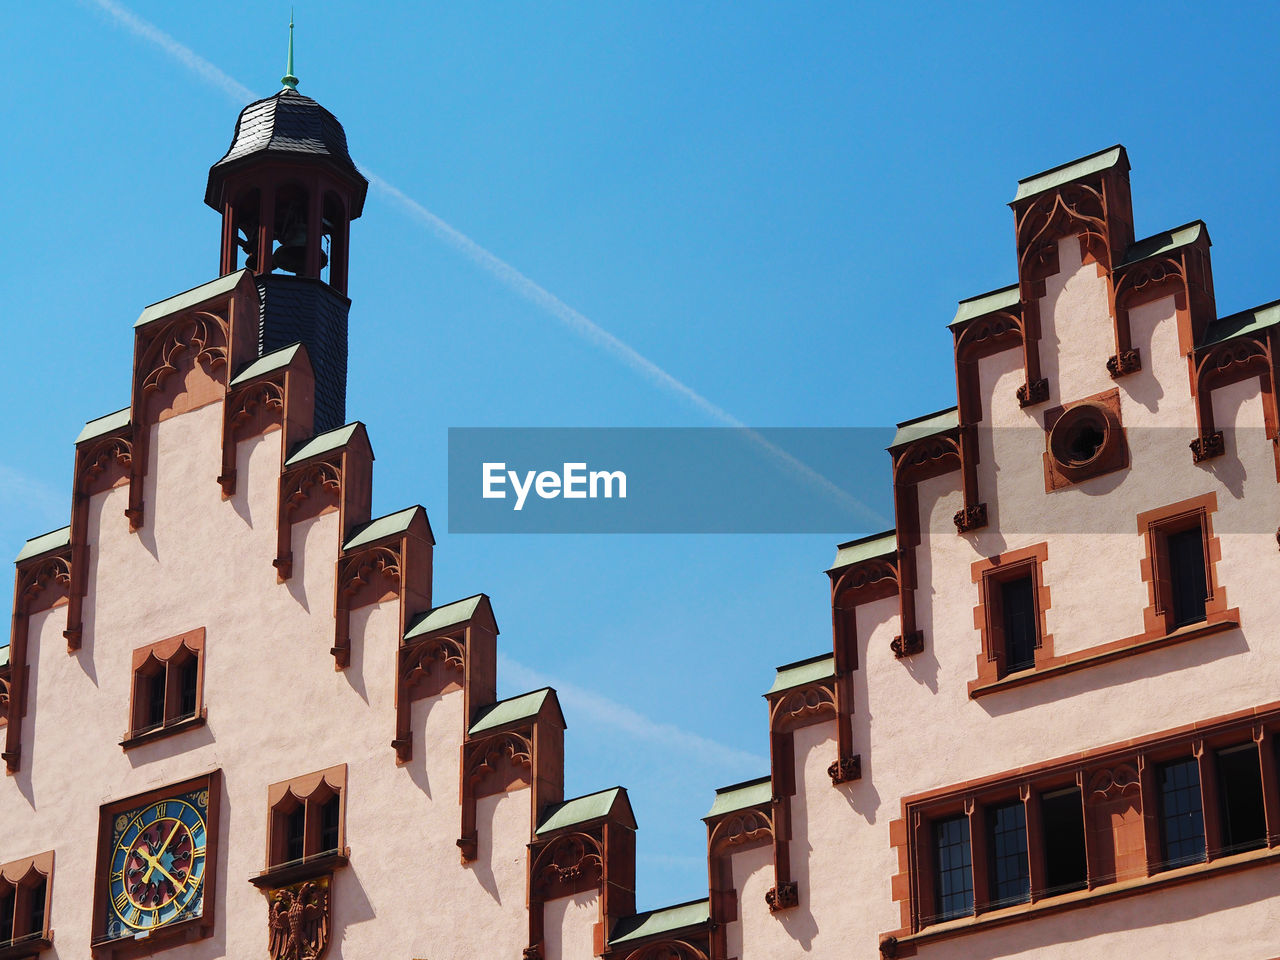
(157, 864)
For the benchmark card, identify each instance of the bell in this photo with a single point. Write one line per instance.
(291, 255)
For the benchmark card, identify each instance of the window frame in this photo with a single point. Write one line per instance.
(1124, 774)
(166, 657)
(991, 575)
(309, 793)
(1156, 526)
(19, 879)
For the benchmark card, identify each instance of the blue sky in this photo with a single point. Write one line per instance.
(778, 205)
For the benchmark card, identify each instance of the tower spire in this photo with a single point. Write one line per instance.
(289, 80)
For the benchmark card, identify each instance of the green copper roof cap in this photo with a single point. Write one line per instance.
(267, 363)
(1073, 170)
(739, 796)
(803, 671)
(926, 426)
(581, 809)
(289, 80)
(325, 442)
(1006, 298)
(640, 926)
(190, 298)
(1238, 324)
(1164, 242)
(53, 540)
(387, 526)
(460, 611)
(865, 548)
(513, 710)
(104, 425)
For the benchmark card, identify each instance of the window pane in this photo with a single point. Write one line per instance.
(187, 688)
(329, 825)
(1007, 840)
(1186, 576)
(6, 913)
(295, 834)
(954, 868)
(1181, 815)
(1017, 603)
(1244, 823)
(154, 686)
(35, 920)
(1065, 867)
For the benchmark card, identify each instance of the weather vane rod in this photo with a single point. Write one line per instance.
(289, 80)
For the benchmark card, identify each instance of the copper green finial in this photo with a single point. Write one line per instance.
(289, 80)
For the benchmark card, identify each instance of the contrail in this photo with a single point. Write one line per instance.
(179, 51)
(508, 275)
(596, 709)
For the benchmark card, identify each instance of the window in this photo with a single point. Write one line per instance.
(1181, 813)
(306, 822)
(1007, 854)
(24, 902)
(1242, 815)
(1010, 615)
(1180, 567)
(1186, 575)
(1018, 612)
(954, 868)
(168, 678)
(1062, 817)
(1098, 824)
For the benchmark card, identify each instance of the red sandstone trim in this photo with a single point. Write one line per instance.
(1095, 769)
(1112, 456)
(1156, 524)
(989, 575)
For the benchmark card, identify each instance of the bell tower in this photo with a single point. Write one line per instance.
(288, 190)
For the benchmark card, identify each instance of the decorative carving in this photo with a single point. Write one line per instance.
(33, 580)
(845, 769)
(487, 756)
(4, 692)
(1124, 363)
(927, 457)
(355, 572)
(971, 518)
(1147, 273)
(988, 330)
(803, 704)
(94, 463)
(1033, 392)
(243, 404)
(360, 569)
(1230, 360)
(1120, 780)
(866, 574)
(299, 484)
(889, 948)
(741, 827)
(203, 335)
(417, 659)
(1072, 209)
(299, 921)
(908, 644)
(533, 952)
(783, 897)
(667, 950)
(567, 864)
(1207, 447)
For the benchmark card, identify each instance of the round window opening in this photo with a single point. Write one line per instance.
(1079, 436)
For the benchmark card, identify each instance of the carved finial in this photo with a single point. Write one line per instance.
(289, 80)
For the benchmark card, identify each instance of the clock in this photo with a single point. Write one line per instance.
(157, 853)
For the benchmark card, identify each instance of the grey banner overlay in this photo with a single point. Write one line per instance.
(835, 481)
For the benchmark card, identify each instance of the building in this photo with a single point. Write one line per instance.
(237, 723)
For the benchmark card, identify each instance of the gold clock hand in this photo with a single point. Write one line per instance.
(163, 847)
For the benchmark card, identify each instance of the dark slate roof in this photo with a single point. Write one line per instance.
(288, 125)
